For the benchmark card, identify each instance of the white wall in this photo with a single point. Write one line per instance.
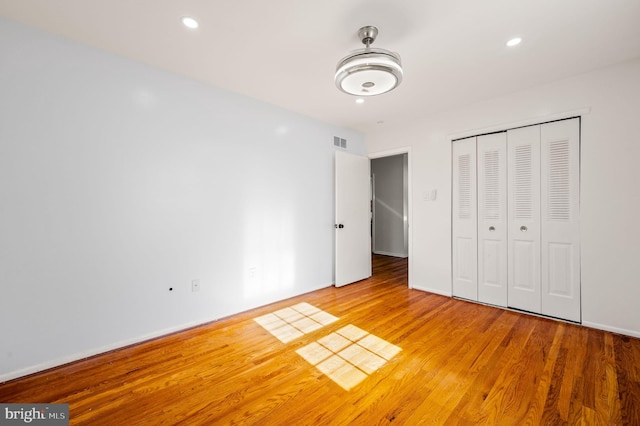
(119, 181)
(610, 197)
(389, 214)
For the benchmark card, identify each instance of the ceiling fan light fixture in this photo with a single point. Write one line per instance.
(369, 71)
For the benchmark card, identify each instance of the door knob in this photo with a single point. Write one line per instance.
(523, 228)
(492, 228)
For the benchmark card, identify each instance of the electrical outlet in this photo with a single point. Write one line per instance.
(195, 285)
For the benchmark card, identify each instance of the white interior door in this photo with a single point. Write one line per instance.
(492, 218)
(353, 218)
(464, 220)
(523, 158)
(560, 180)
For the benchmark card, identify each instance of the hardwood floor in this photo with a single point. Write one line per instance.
(459, 363)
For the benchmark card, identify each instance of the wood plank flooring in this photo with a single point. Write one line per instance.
(459, 363)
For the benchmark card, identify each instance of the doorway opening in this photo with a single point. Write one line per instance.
(390, 189)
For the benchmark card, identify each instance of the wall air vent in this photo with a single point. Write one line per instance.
(339, 142)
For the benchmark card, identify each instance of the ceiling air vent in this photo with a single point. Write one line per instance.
(339, 142)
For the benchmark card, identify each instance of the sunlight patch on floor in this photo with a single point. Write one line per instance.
(288, 324)
(349, 355)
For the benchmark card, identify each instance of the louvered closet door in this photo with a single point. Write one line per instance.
(464, 220)
(523, 161)
(492, 218)
(560, 180)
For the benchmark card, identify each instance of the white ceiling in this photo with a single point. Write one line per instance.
(284, 51)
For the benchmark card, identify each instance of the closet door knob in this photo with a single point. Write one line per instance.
(524, 228)
(492, 228)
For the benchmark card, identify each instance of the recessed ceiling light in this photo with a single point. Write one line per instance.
(359, 101)
(189, 22)
(514, 41)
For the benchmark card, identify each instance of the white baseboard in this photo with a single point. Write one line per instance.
(632, 333)
(118, 345)
(121, 344)
(97, 351)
